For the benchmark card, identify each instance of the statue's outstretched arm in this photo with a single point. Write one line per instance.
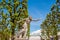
(35, 19)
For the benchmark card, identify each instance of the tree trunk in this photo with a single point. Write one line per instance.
(12, 38)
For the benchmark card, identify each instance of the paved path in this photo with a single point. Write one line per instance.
(34, 38)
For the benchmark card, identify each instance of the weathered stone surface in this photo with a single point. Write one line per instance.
(21, 39)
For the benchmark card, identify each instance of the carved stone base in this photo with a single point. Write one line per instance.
(21, 39)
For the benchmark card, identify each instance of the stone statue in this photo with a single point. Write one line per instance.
(25, 27)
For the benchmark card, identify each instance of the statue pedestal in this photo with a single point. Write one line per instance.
(21, 39)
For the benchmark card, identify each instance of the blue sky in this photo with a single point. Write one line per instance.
(39, 9)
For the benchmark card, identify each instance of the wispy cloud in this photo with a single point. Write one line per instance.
(36, 33)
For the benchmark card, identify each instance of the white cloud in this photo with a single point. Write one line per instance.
(36, 33)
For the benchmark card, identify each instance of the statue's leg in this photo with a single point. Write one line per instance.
(20, 35)
(25, 34)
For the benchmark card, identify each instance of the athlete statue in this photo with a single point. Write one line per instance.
(25, 26)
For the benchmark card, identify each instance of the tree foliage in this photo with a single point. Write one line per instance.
(11, 11)
(51, 25)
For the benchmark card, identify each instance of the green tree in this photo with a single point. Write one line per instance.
(16, 10)
(52, 21)
(3, 26)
